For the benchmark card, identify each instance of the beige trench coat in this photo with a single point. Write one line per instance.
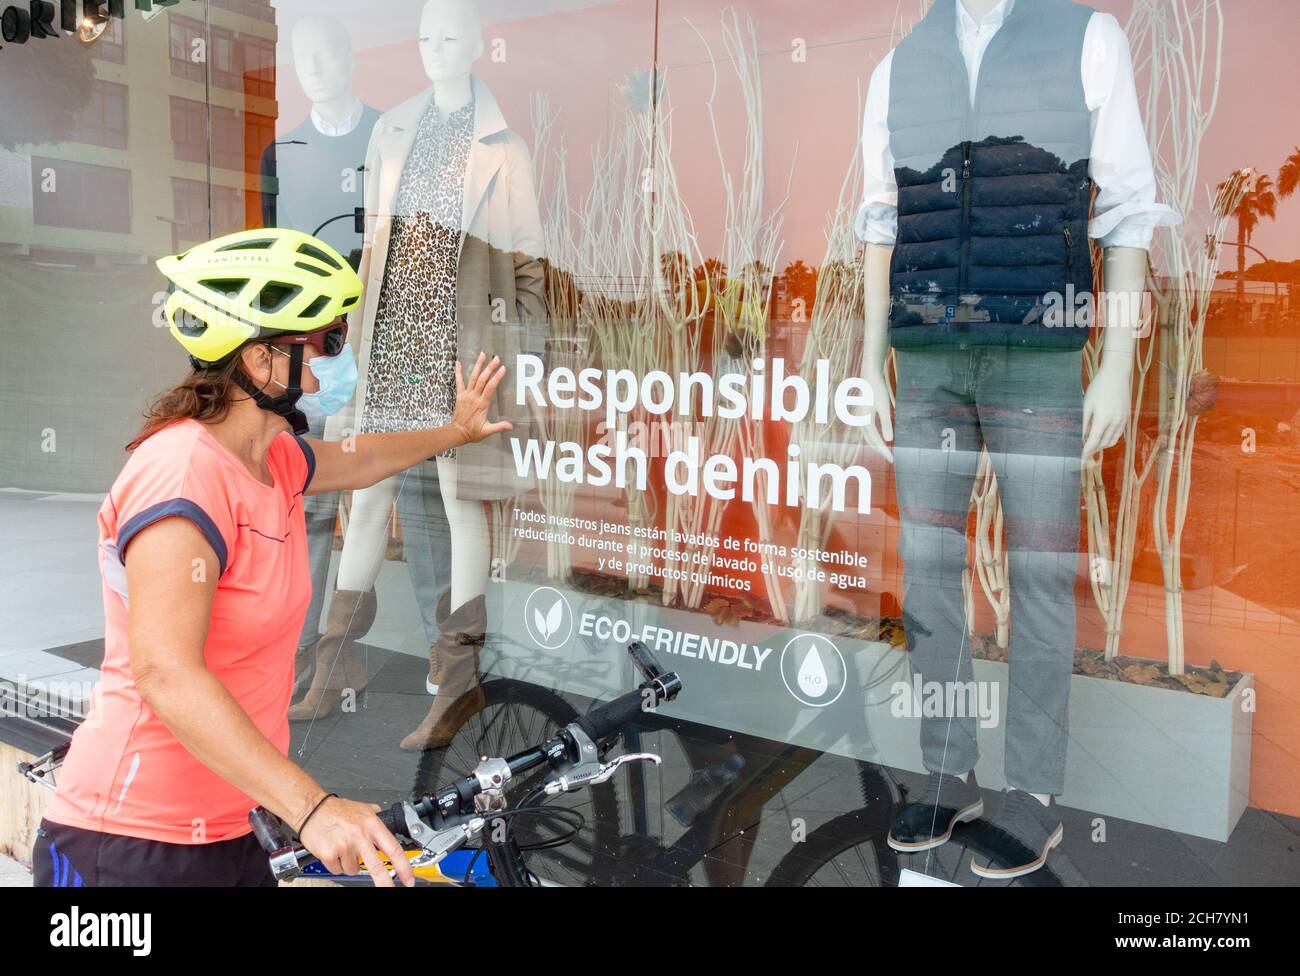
(500, 297)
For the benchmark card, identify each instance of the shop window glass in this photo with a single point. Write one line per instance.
(82, 196)
(103, 120)
(188, 129)
(671, 215)
(187, 47)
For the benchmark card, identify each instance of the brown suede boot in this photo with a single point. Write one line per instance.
(459, 693)
(441, 613)
(338, 660)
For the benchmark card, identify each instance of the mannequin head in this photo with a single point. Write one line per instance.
(322, 58)
(451, 38)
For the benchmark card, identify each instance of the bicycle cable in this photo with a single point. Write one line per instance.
(575, 820)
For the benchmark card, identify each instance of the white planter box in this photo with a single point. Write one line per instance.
(1170, 759)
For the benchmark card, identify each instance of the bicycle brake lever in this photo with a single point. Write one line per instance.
(437, 844)
(590, 774)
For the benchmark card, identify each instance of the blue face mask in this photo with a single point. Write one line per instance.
(337, 376)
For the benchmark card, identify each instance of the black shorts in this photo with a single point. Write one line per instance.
(69, 857)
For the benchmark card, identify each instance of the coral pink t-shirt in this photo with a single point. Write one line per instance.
(125, 772)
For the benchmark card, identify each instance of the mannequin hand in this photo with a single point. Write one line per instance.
(1106, 408)
(343, 833)
(474, 397)
(881, 429)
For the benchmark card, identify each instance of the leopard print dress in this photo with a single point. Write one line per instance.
(411, 378)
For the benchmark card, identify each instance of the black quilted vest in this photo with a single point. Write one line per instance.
(993, 202)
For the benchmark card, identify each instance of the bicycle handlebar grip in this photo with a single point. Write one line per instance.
(268, 829)
(611, 718)
(394, 818)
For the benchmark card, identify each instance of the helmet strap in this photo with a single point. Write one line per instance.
(286, 404)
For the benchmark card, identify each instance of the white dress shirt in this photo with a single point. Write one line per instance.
(327, 128)
(1125, 213)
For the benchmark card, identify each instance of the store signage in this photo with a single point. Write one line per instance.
(20, 23)
(765, 392)
(810, 666)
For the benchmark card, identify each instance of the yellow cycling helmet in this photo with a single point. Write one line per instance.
(255, 284)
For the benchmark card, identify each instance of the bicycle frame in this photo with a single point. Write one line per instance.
(458, 869)
(710, 829)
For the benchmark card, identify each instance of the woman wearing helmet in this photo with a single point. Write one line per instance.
(203, 557)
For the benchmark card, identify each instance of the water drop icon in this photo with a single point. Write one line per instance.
(812, 675)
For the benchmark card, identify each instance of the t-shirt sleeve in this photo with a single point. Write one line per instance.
(189, 483)
(298, 459)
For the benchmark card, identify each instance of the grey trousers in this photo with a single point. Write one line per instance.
(1026, 406)
(426, 542)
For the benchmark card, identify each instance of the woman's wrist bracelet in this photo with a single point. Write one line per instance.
(319, 803)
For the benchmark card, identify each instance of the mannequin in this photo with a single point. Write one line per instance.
(454, 224)
(314, 169)
(1000, 120)
(306, 183)
(315, 165)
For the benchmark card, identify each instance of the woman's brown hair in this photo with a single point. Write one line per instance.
(204, 395)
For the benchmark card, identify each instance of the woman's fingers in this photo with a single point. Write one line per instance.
(349, 861)
(394, 852)
(333, 864)
(375, 866)
(476, 371)
(484, 377)
(495, 380)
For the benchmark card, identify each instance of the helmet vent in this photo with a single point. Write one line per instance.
(312, 268)
(315, 308)
(190, 325)
(225, 287)
(348, 302)
(260, 244)
(273, 296)
(319, 255)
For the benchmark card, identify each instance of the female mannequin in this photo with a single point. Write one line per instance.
(452, 260)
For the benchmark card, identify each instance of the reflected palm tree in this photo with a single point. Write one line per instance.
(1258, 202)
(1288, 177)
(801, 282)
(713, 270)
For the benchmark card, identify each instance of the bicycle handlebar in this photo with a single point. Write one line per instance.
(577, 744)
(611, 718)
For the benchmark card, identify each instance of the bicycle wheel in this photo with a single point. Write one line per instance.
(516, 715)
(847, 852)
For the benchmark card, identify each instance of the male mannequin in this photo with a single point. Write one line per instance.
(986, 130)
(451, 266)
(314, 168)
(315, 179)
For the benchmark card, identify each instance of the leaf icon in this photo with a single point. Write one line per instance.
(554, 617)
(540, 623)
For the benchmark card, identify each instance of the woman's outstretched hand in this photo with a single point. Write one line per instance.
(474, 397)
